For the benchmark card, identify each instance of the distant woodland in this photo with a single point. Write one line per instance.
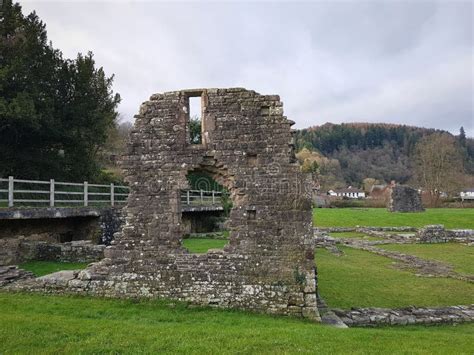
(350, 153)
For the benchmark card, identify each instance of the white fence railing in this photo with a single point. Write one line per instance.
(18, 192)
(201, 197)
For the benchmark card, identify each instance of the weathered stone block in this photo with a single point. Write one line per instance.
(434, 234)
(405, 199)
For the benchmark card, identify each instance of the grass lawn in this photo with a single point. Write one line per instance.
(40, 268)
(458, 255)
(33, 323)
(201, 245)
(380, 217)
(60, 324)
(362, 279)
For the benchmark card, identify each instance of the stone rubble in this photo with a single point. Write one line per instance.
(11, 273)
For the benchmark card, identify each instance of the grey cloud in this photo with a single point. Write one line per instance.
(386, 61)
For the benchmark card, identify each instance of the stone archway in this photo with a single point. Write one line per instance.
(205, 209)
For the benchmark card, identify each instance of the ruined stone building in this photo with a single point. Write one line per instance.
(246, 146)
(404, 199)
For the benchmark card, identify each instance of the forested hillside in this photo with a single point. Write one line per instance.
(383, 152)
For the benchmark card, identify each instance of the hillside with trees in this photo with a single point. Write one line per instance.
(382, 153)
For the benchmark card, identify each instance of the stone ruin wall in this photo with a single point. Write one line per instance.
(405, 199)
(268, 264)
(65, 238)
(18, 250)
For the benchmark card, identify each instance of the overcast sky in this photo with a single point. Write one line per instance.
(407, 62)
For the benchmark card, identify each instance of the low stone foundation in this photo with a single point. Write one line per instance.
(438, 234)
(372, 317)
(94, 281)
(433, 234)
(427, 234)
(18, 250)
(365, 229)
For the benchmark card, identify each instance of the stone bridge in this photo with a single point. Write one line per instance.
(29, 233)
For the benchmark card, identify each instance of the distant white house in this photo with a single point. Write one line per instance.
(349, 192)
(467, 194)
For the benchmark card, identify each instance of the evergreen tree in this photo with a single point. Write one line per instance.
(195, 130)
(462, 137)
(54, 113)
(27, 88)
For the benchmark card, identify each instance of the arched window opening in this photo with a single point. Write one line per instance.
(205, 209)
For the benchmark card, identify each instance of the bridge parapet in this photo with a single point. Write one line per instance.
(37, 193)
(201, 198)
(19, 192)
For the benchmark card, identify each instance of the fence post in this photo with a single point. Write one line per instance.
(10, 191)
(213, 198)
(201, 198)
(112, 196)
(51, 193)
(86, 192)
(187, 196)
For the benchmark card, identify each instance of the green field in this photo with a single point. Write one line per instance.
(40, 268)
(60, 324)
(380, 217)
(362, 279)
(458, 255)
